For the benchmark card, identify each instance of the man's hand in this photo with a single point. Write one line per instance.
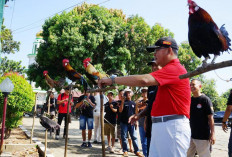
(104, 82)
(224, 127)
(133, 119)
(212, 139)
(111, 106)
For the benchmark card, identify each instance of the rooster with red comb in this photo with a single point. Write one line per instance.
(92, 73)
(204, 35)
(73, 74)
(51, 83)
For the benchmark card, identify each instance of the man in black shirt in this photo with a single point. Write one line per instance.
(110, 120)
(86, 103)
(201, 122)
(151, 95)
(224, 124)
(127, 109)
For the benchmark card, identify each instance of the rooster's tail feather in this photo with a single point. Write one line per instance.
(226, 35)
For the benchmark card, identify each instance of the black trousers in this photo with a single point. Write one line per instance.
(61, 116)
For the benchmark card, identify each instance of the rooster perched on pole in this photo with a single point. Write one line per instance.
(74, 75)
(204, 35)
(51, 83)
(92, 74)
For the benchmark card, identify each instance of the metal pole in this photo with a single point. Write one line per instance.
(34, 113)
(67, 122)
(3, 120)
(102, 124)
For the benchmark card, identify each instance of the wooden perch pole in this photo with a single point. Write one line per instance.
(67, 120)
(46, 131)
(207, 68)
(34, 113)
(102, 90)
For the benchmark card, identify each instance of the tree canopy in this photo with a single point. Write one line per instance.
(8, 44)
(7, 65)
(115, 42)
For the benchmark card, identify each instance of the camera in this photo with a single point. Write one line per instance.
(125, 95)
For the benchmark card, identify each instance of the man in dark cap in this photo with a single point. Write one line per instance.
(170, 111)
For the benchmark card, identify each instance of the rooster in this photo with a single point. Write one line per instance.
(51, 83)
(92, 73)
(73, 74)
(204, 35)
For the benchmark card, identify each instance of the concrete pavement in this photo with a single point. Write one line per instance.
(74, 149)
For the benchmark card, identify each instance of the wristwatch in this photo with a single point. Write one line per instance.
(113, 79)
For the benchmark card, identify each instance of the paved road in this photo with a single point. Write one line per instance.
(74, 149)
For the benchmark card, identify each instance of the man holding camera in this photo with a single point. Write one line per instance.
(86, 103)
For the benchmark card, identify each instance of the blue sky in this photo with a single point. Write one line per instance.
(171, 14)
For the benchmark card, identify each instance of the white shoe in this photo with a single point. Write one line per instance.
(57, 137)
(111, 149)
(120, 151)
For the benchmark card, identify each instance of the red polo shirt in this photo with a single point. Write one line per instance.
(63, 106)
(174, 95)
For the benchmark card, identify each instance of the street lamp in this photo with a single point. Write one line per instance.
(6, 87)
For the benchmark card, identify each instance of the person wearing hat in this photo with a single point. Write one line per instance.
(127, 109)
(62, 101)
(110, 120)
(140, 106)
(171, 108)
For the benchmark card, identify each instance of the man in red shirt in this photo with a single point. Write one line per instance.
(62, 101)
(170, 110)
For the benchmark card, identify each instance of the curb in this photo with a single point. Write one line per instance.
(40, 146)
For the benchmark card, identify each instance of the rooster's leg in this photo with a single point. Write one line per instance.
(214, 58)
(204, 62)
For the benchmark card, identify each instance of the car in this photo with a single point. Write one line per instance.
(218, 116)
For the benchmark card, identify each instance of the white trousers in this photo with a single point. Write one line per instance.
(97, 128)
(170, 139)
(202, 147)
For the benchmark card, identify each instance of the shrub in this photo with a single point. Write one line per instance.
(20, 100)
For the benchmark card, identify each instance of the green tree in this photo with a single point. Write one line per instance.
(187, 57)
(7, 65)
(103, 34)
(8, 44)
(20, 100)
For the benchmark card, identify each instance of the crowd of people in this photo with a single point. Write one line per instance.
(171, 122)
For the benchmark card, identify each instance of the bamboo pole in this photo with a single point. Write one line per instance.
(67, 122)
(46, 131)
(46, 137)
(102, 124)
(34, 113)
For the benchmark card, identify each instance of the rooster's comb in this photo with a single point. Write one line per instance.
(87, 60)
(65, 61)
(45, 72)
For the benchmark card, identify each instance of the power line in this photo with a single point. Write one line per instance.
(47, 17)
(50, 16)
(222, 78)
(12, 15)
